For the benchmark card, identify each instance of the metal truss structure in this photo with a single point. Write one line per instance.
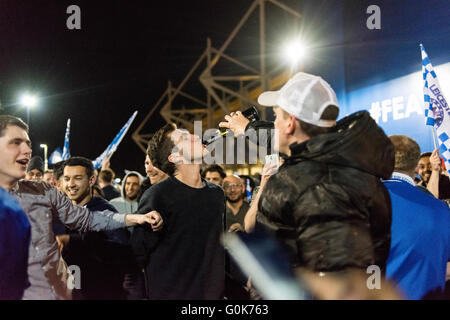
(224, 93)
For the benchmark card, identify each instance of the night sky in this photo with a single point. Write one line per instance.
(120, 61)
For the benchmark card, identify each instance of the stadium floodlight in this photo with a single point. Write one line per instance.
(28, 100)
(294, 52)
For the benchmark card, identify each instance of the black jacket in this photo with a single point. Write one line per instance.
(110, 192)
(103, 258)
(327, 204)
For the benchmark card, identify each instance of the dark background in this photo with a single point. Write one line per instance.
(127, 51)
(120, 61)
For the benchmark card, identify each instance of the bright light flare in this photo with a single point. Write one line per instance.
(294, 52)
(28, 100)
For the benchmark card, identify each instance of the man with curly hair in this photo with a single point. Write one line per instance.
(185, 260)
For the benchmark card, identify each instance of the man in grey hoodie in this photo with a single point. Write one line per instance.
(130, 193)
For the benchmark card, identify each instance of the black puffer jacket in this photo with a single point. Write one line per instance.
(327, 204)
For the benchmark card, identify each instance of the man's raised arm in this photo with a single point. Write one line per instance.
(82, 219)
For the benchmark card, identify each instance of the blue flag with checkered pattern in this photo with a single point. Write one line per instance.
(114, 144)
(66, 151)
(437, 110)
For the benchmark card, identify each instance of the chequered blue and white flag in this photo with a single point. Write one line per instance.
(437, 110)
(66, 150)
(114, 144)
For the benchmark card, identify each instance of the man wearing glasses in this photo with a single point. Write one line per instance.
(237, 207)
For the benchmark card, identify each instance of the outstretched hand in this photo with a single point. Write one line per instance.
(153, 218)
(156, 220)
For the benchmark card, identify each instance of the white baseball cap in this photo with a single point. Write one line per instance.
(304, 96)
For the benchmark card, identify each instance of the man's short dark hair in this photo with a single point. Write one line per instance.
(160, 147)
(214, 168)
(80, 161)
(58, 170)
(132, 174)
(107, 175)
(7, 120)
(424, 155)
(406, 151)
(330, 113)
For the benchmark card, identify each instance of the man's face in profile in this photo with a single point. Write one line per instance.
(189, 147)
(15, 153)
(154, 174)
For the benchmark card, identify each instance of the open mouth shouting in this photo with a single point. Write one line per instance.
(23, 163)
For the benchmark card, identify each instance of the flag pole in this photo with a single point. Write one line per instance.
(434, 138)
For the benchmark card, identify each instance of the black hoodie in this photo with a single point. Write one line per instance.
(327, 205)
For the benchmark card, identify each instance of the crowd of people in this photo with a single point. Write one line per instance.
(344, 198)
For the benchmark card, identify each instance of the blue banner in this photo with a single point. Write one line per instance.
(114, 144)
(397, 105)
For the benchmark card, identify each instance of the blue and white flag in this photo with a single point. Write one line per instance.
(66, 150)
(114, 144)
(437, 110)
(56, 156)
(248, 191)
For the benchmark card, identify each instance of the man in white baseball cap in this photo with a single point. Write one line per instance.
(304, 107)
(326, 203)
(305, 98)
